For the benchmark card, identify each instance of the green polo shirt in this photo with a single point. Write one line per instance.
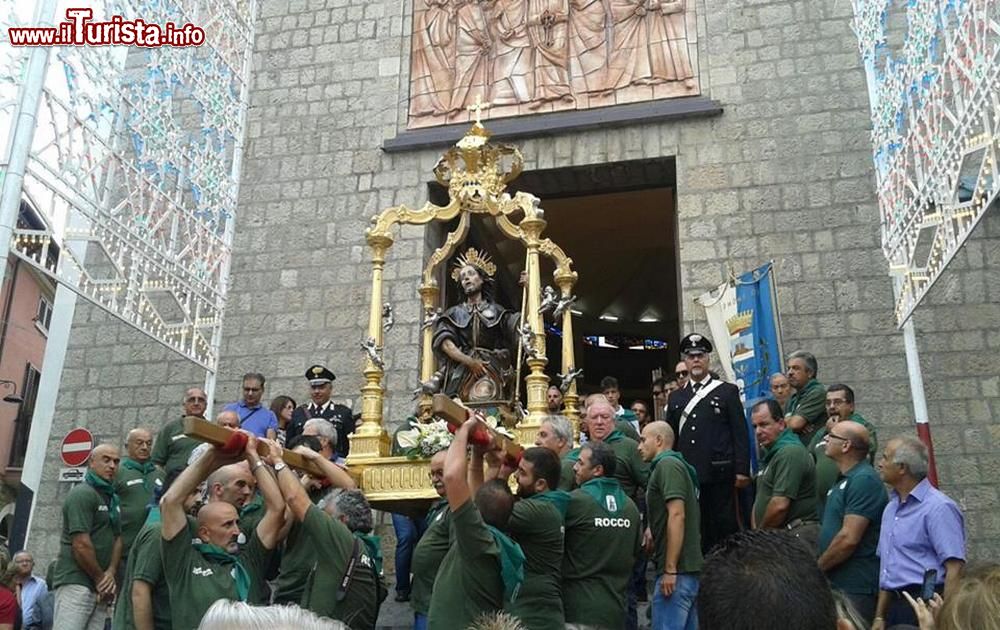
(145, 563)
(297, 562)
(791, 473)
(428, 555)
(631, 472)
(537, 525)
(468, 582)
(860, 491)
(172, 448)
(600, 551)
(810, 403)
(84, 511)
(196, 582)
(826, 469)
(135, 490)
(332, 545)
(670, 481)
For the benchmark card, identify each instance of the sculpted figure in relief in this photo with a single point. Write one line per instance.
(474, 49)
(431, 65)
(513, 60)
(649, 43)
(548, 28)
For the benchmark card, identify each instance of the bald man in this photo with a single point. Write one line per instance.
(135, 482)
(852, 518)
(91, 546)
(673, 536)
(198, 575)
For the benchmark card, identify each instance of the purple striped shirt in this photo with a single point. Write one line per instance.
(918, 534)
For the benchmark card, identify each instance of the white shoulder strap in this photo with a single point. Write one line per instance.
(697, 398)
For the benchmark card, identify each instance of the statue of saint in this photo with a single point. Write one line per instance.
(476, 340)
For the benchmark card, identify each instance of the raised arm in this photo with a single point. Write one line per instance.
(291, 488)
(337, 475)
(172, 504)
(456, 484)
(270, 526)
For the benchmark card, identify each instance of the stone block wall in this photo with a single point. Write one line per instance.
(785, 173)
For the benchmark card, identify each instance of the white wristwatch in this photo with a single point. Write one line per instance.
(280, 466)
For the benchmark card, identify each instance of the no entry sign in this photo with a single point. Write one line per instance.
(76, 447)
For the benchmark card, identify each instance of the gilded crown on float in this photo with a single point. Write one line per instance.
(476, 259)
(476, 170)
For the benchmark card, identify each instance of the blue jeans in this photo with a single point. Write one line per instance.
(419, 621)
(677, 612)
(408, 532)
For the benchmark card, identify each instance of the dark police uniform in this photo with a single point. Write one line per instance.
(340, 416)
(715, 440)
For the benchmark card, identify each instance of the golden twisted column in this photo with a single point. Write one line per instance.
(565, 281)
(537, 382)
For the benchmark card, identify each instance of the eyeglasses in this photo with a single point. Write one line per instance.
(657, 392)
(253, 389)
(682, 374)
(195, 399)
(837, 437)
(435, 474)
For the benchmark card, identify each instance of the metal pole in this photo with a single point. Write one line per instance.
(23, 133)
(41, 422)
(919, 400)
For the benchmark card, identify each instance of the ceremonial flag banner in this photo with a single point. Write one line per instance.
(743, 318)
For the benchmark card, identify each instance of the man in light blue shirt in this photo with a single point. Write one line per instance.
(254, 417)
(31, 590)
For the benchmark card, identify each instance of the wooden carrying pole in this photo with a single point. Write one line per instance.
(455, 414)
(205, 431)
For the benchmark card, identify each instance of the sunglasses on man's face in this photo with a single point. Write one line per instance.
(682, 374)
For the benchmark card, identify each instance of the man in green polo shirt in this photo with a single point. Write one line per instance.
(345, 581)
(556, 434)
(172, 448)
(631, 472)
(603, 538)
(839, 407)
(135, 481)
(199, 573)
(786, 483)
(536, 524)
(144, 602)
(90, 548)
(431, 548)
(674, 532)
(805, 411)
(484, 568)
(849, 531)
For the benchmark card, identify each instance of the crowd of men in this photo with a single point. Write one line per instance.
(156, 537)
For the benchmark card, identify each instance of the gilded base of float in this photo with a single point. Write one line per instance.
(394, 484)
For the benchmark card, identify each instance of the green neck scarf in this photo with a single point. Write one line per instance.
(139, 467)
(511, 563)
(692, 473)
(558, 498)
(153, 516)
(787, 438)
(219, 555)
(373, 546)
(106, 487)
(256, 503)
(614, 436)
(607, 493)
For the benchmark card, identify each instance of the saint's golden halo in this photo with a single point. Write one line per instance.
(473, 257)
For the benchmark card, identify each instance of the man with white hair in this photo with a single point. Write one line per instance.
(327, 434)
(135, 481)
(922, 529)
(556, 434)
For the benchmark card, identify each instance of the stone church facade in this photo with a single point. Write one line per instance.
(783, 172)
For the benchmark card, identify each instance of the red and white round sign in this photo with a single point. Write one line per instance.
(76, 447)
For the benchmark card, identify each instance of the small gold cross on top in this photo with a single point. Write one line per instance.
(478, 108)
